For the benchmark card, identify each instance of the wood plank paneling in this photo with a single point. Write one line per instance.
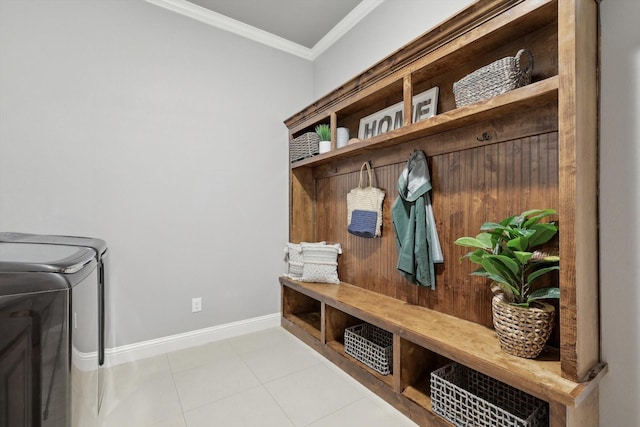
(302, 191)
(470, 186)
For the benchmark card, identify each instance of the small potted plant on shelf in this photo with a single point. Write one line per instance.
(324, 132)
(506, 254)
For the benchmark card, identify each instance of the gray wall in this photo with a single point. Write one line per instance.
(619, 212)
(383, 31)
(161, 135)
(619, 173)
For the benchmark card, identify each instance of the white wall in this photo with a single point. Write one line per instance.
(159, 134)
(620, 212)
(388, 27)
(399, 21)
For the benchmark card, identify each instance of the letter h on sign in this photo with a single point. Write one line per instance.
(370, 132)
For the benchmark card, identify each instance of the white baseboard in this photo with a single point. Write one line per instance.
(141, 350)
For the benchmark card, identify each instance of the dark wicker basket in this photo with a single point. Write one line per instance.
(370, 345)
(469, 398)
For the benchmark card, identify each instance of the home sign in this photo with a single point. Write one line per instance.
(424, 106)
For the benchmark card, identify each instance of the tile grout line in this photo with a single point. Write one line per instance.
(263, 386)
(335, 412)
(236, 354)
(175, 386)
(278, 404)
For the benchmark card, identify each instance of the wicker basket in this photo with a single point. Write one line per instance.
(522, 331)
(370, 345)
(306, 145)
(468, 398)
(494, 79)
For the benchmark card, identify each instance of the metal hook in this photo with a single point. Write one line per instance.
(485, 136)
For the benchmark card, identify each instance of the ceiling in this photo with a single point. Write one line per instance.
(304, 22)
(301, 27)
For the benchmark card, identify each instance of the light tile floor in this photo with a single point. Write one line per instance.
(265, 379)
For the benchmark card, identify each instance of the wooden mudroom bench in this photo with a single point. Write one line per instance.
(423, 340)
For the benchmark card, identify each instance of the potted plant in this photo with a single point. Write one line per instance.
(506, 253)
(324, 133)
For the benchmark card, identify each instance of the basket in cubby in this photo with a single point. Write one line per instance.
(371, 345)
(306, 145)
(467, 397)
(494, 79)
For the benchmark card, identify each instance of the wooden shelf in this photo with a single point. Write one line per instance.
(413, 401)
(465, 342)
(455, 41)
(309, 322)
(418, 395)
(338, 348)
(518, 100)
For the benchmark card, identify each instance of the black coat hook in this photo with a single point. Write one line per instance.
(485, 136)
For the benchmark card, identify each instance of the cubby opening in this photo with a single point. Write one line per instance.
(387, 96)
(310, 127)
(303, 311)
(337, 322)
(417, 363)
(542, 43)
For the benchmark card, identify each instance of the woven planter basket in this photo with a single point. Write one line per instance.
(494, 79)
(522, 332)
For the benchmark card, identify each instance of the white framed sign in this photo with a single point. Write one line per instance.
(424, 106)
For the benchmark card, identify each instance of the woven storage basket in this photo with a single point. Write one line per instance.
(494, 79)
(468, 398)
(306, 145)
(370, 345)
(522, 331)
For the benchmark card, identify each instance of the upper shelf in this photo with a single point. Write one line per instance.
(483, 26)
(518, 100)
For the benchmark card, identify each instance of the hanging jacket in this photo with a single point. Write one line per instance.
(414, 225)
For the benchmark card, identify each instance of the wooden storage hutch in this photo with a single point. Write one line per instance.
(533, 147)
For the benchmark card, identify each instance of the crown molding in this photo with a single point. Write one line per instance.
(342, 27)
(217, 20)
(222, 22)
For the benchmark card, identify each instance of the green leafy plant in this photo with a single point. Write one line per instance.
(505, 254)
(324, 132)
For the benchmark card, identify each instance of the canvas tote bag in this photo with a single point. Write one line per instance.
(364, 208)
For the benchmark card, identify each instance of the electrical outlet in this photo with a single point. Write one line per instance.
(196, 305)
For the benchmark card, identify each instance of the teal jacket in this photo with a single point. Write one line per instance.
(416, 236)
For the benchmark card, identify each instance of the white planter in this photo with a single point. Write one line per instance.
(325, 146)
